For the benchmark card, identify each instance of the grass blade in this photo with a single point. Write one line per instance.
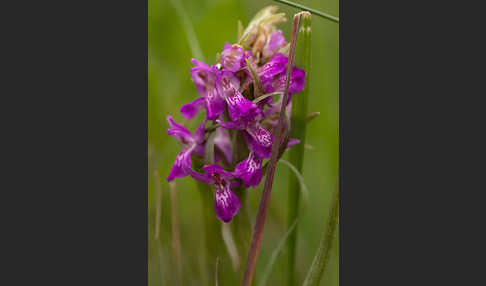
(240, 30)
(158, 206)
(216, 271)
(176, 240)
(257, 100)
(322, 256)
(275, 253)
(302, 7)
(209, 149)
(312, 116)
(230, 246)
(190, 34)
(298, 122)
(303, 188)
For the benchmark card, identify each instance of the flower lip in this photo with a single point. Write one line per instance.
(249, 170)
(226, 203)
(232, 57)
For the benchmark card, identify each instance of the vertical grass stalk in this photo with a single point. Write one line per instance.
(298, 130)
(213, 238)
(188, 29)
(158, 205)
(322, 256)
(313, 11)
(267, 187)
(176, 237)
(241, 229)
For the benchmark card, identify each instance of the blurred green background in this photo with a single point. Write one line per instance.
(170, 86)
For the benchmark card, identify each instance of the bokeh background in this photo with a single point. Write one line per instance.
(169, 86)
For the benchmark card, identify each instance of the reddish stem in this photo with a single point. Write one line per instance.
(267, 188)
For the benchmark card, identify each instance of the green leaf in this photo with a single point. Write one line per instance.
(240, 30)
(303, 188)
(257, 100)
(298, 129)
(275, 253)
(190, 34)
(322, 256)
(209, 149)
(312, 116)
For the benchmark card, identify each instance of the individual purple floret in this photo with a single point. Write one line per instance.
(259, 140)
(274, 72)
(232, 57)
(206, 79)
(249, 170)
(226, 203)
(191, 145)
(238, 106)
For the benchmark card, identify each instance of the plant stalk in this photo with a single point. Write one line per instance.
(267, 189)
(241, 230)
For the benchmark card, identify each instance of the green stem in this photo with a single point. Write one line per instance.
(212, 232)
(298, 130)
(302, 7)
(241, 230)
(322, 256)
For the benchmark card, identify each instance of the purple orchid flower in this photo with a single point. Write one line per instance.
(206, 80)
(192, 144)
(226, 203)
(233, 57)
(274, 72)
(221, 88)
(238, 106)
(258, 139)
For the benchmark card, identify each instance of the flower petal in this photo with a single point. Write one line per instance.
(182, 164)
(178, 131)
(259, 140)
(296, 85)
(232, 57)
(292, 142)
(226, 203)
(272, 68)
(239, 124)
(190, 109)
(249, 170)
(274, 44)
(223, 143)
(216, 170)
(201, 76)
(240, 107)
(199, 134)
(214, 105)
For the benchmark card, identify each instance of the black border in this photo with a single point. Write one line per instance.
(76, 154)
